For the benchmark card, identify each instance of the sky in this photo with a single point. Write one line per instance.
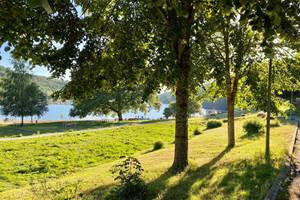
(7, 59)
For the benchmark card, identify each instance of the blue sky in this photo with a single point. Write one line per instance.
(6, 62)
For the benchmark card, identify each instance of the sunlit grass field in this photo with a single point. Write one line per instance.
(84, 158)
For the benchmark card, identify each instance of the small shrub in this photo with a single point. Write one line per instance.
(158, 145)
(197, 132)
(275, 123)
(253, 127)
(131, 185)
(213, 124)
(225, 120)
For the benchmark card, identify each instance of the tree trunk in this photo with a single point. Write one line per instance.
(22, 120)
(230, 91)
(181, 132)
(230, 115)
(120, 117)
(267, 153)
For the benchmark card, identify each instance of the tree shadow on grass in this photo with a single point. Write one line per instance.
(252, 136)
(244, 179)
(181, 190)
(99, 193)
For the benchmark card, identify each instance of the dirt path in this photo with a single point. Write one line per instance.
(294, 188)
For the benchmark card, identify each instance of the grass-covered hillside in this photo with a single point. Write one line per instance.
(47, 85)
(76, 165)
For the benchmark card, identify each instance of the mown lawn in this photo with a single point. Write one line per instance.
(83, 157)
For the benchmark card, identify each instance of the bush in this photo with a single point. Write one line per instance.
(158, 145)
(131, 185)
(213, 124)
(225, 120)
(253, 127)
(197, 132)
(275, 123)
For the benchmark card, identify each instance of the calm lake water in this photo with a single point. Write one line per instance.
(61, 112)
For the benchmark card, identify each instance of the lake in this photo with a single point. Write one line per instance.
(61, 112)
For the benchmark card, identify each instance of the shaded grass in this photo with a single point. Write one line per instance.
(214, 172)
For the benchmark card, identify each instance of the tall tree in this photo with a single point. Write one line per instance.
(19, 96)
(230, 52)
(117, 43)
(117, 101)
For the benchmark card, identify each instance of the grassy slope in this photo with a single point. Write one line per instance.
(214, 174)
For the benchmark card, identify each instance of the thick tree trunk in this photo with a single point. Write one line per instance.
(120, 117)
(230, 115)
(181, 132)
(267, 153)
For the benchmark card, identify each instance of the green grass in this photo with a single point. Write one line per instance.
(12, 130)
(214, 172)
(56, 155)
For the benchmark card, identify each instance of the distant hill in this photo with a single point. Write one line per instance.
(220, 104)
(47, 85)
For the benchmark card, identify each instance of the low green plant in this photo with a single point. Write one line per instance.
(213, 124)
(197, 132)
(158, 145)
(131, 185)
(253, 127)
(225, 120)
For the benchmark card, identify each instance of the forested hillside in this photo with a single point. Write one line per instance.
(47, 85)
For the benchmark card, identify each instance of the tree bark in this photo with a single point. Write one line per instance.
(230, 91)
(267, 153)
(230, 115)
(22, 120)
(120, 117)
(181, 132)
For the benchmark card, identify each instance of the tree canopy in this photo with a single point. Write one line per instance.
(19, 96)
(117, 101)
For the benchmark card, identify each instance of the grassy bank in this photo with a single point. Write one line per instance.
(215, 173)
